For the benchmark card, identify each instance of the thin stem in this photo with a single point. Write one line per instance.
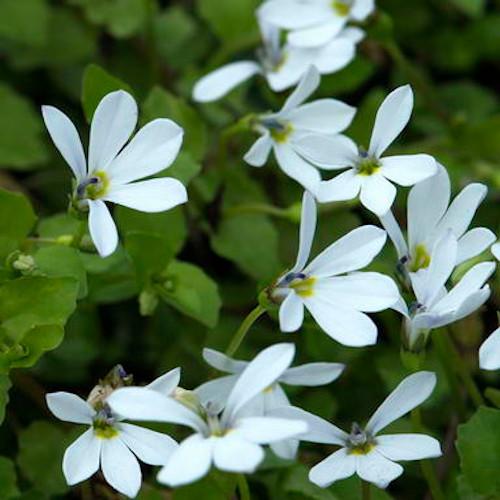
(261, 208)
(426, 466)
(240, 334)
(243, 487)
(366, 492)
(80, 233)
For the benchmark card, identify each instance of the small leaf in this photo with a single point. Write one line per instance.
(8, 479)
(24, 22)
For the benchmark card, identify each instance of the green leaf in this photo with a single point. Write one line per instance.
(5, 385)
(191, 291)
(162, 104)
(24, 22)
(58, 225)
(297, 481)
(215, 486)
(8, 479)
(473, 8)
(184, 168)
(97, 82)
(478, 446)
(21, 128)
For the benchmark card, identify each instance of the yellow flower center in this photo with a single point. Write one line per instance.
(281, 134)
(362, 449)
(368, 166)
(304, 287)
(420, 259)
(94, 187)
(341, 8)
(103, 430)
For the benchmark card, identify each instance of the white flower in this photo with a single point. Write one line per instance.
(273, 396)
(282, 66)
(113, 166)
(495, 250)
(314, 22)
(281, 131)
(435, 306)
(228, 438)
(429, 221)
(110, 443)
(327, 287)
(369, 174)
(489, 352)
(364, 452)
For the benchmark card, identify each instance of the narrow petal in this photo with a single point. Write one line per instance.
(274, 397)
(353, 251)
(120, 467)
(361, 9)
(377, 194)
(307, 85)
(216, 391)
(152, 149)
(408, 446)
(222, 362)
(290, 15)
(312, 374)
(66, 139)
(339, 465)
(81, 459)
(258, 154)
(408, 170)
(327, 152)
(153, 195)
(474, 242)
(390, 224)
(410, 393)
(345, 186)
(335, 55)
(149, 446)
(318, 35)
(291, 313)
(265, 430)
(260, 373)
(70, 407)
(220, 82)
(296, 62)
(392, 117)
(353, 33)
(113, 122)
(489, 352)
(233, 454)
(308, 219)
(375, 468)
(167, 383)
(286, 449)
(495, 250)
(189, 462)
(102, 228)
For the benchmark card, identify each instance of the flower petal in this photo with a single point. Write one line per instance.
(408, 446)
(221, 81)
(151, 447)
(102, 228)
(410, 393)
(361, 9)
(153, 195)
(222, 362)
(335, 55)
(258, 154)
(339, 465)
(81, 459)
(495, 250)
(307, 85)
(70, 407)
(353, 251)
(407, 170)
(390, 224)
(318, 35)
(152, 149)
(308, 218)
(66, 139)
(312, 374)
(167, 383)
(345, 186)
(290, 14)
(265, 430)
(120, 467)
(377, 194)
(291, 313)
(233, 454)
(474, 242)
(375, 468)
(489, 352)
(286, 449)
(392, 117)
(216, 391)
(113, 122)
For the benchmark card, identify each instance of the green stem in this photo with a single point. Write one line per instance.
(261, 208)
(243, 487)
(426, 466)
(366, 493)
(240, 334)
(80, 233)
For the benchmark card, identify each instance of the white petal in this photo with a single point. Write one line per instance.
(120, 467)
(390, 224)
(260, 373)
(150, 447)
(296, 167)
(307, 85)
(353, 251)
(237, 455)
(296, 63)
(345, 325)
(274, 397)
(308, 219)
(408, 446)
(222, 362)
(81, 459)
(113, 122)
(139, 403)
(375, 468)
(361, 9)
(189, 462)
(221, 81)
(216, 391)
(286, 449)
(318, 35)
(410, 393)
(391, 119)
(377, 194)
(352, 33)
(367, 292)
(323, 116)
(489, 352)
(289, 14)
(474, 242)
(102, 228)
(70, 407)
(335, 55)
(291, 313)
(312, 374)
(258, 154)
(265, 430)
(408, 170)
(339, 465)
(345, 186)
(152, 149)
(167, 383)
(66, 139)
(495, 250)
(153, 195)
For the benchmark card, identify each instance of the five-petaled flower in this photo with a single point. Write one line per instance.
(113, 166)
